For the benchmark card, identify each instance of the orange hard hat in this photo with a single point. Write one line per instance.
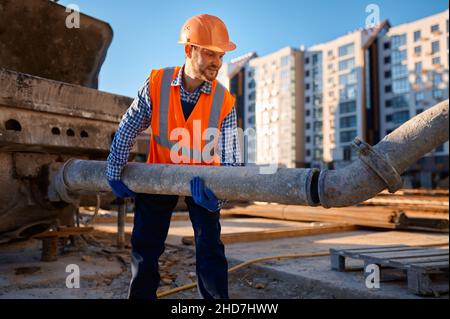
(208, 32)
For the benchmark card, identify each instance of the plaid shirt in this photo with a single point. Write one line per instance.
(138, 118)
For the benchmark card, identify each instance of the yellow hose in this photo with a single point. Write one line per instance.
(254, 260)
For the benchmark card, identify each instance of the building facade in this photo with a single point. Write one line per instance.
(307, 106)
(278, 108)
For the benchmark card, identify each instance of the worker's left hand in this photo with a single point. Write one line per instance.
(203, 196)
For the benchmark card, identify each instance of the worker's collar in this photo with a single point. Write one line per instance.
(206, 87)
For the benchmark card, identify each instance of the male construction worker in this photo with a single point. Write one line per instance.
(187, 98)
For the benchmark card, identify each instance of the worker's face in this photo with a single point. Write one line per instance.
(205, 63)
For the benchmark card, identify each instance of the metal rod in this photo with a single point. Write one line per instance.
(121, 216)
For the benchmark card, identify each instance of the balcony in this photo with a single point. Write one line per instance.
(436, 32)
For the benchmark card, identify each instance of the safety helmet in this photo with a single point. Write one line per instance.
(206, 31)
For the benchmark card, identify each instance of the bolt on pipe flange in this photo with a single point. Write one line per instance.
(378, 164)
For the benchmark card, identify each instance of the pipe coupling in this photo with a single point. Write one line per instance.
(379, 164)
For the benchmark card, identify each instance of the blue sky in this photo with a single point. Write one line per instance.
(146, 31)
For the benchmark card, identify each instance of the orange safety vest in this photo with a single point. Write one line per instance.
(175, 140)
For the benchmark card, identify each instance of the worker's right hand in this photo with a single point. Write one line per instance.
(120, 189)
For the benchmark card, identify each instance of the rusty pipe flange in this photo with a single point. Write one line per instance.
(378, 164)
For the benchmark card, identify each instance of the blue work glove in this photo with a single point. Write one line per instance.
(203, 196)
(120, 189)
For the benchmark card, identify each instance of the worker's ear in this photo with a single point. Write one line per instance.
(188, 51)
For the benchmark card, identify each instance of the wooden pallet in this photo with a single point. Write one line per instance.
(426, 269)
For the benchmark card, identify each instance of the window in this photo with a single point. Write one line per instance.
(285, 60)
(347, 136)
(346, 49)
(318, 112)
(417, 35)
(251, 84)
(307, 86)
(388, 103)
(347, 154)
(418, 50)
(315, 59)
(437, 79)
(285, 74)
(400, 86)
(308, 126)
(387, 74)
(419, 97)
(251, 107)
(252, 96)
(306, 60)
(307, 73)
(307, 99)
(308, 152)
(348, 121)
(318, 139)
(400, 101)
(435, 47)
(330, 66)
(387, 45)
(318, 153)
(348, 92)
(317, 100)
(418, 79)
(398, 56)
(349, 78)
(308, 139)
(418, 67)
(398, 117)
(330, 53)
(435, 28)
(317, 126)
(388, 89)
(346, 64)
(437, 94)
(387, 59)
(436, 61)
(399, 71)
(308, 112)
(398, 40)
(347, 107)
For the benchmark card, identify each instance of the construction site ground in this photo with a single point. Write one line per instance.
(105, 271)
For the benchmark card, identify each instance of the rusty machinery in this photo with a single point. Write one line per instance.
(50, 109)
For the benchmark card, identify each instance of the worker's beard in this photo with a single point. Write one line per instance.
(208, 73)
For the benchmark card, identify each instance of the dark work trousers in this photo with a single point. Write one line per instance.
(151, 225)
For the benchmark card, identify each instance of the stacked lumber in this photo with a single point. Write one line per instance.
(369, 216)
(349, 215)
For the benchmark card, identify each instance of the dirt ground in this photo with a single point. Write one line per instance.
(105, 273)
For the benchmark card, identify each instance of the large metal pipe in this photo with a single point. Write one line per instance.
(289, 186)
(377, 168)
